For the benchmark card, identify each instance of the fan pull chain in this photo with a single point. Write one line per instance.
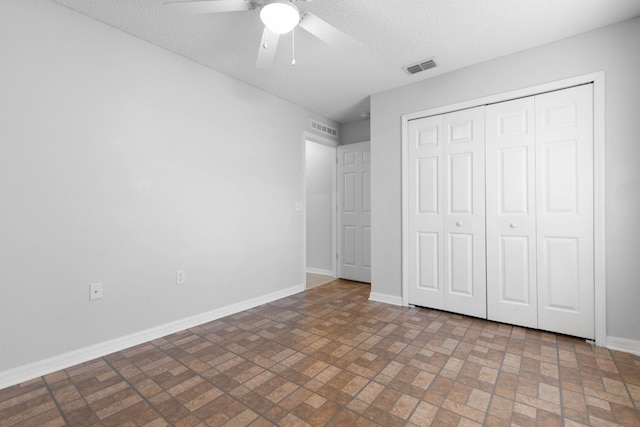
(293, 47)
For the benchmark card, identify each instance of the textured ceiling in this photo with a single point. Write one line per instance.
(393, 33)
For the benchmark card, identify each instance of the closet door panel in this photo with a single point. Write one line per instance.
(460, 179)
(564, 173)
(515, 276)
(425, 228)
(559, 171)
(428, 259)
(460, 264)
(514, 181)
(562, 273)
(511, 217)
(427, 185)
(464, 216)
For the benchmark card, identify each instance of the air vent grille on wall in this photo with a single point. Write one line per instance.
(317, 126)
(420, 66)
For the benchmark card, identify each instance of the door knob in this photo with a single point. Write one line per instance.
(459, 223)
(513, 225)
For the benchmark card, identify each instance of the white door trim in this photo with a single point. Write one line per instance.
(598, 80)
(308, 136)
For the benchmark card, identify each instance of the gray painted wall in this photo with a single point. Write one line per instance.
(358, 131)
(613, 49)
(121, 162)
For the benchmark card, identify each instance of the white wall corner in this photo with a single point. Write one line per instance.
(387, 299)
(44, 367)
(623, 344)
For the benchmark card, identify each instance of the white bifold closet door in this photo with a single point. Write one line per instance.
(447, 212)
(564, 208)
(540, 212)
(512, 293)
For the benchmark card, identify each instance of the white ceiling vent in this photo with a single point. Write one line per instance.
(420, 66)
(322, 128)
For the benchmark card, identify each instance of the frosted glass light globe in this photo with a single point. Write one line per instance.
(280, 16)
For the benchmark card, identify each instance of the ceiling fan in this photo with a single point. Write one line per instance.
(279, 17)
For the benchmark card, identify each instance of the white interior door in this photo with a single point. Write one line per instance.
(511, 213)
(464, 216)
(564, 175)
(426, 213)
(354, 212)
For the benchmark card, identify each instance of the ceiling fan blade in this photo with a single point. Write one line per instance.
(327, 32)
(208, 6)
(267, 49)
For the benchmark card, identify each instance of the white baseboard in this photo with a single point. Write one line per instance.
(387, 299)
(320, 271)
(44, 367)
(623, 344)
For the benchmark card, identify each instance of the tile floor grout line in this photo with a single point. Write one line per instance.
(55, 401)
(636, 406)
(506, 347)
(560, 388)
(82, 396)
(132, 387)
(435, 376)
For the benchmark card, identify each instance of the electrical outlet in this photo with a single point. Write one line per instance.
(95, 291)
(181, 278)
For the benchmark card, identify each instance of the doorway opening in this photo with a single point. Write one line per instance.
(320, 212)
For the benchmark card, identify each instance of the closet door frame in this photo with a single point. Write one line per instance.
(598, 80)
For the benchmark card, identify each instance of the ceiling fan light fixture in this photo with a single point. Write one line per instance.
(280, 16)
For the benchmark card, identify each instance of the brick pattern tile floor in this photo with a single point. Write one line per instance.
(329, 356)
